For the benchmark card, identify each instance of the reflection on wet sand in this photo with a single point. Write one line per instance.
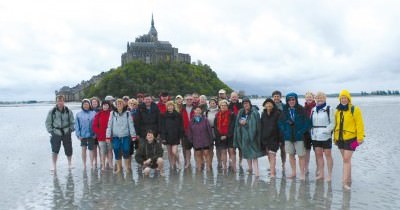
(189, 189)
(63, 195)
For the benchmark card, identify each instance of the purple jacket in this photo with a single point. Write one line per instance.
(200, 133)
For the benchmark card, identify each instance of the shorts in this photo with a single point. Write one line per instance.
(186, 143)
(221, 144)
(270, 147)
(121, 143)
(307, 140)
(202, 148)
(87, 142)
(296, 147)
(346, 144)
(104, 147)
(55, 142)
(323, 144)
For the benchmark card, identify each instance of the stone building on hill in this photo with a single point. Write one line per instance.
(146, 48)
(149, 49)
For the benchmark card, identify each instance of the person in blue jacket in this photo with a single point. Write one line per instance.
(293, 123)
(84, 131)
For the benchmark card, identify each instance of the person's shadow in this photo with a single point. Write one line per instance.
(320, 198)
(63, 198)
(346, 199)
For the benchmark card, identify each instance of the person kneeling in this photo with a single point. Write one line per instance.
(150, 154)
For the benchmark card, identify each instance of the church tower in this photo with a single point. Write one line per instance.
(153, 32)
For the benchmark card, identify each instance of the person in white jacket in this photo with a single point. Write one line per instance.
(121, 131)
(323, 123)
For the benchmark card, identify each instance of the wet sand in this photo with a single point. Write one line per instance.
(27, 182)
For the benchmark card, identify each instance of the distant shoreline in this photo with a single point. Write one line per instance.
(250, 96)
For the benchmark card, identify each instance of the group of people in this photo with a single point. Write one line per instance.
(138, 127)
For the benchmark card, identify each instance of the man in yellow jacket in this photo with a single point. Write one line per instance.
(348, 133)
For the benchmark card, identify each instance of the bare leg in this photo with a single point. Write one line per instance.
(69, 162)
(347, 154)
(54, 157)
(199, 160)
(84, 156)
(160, 166)
(119, 166)
(329, 163)
(91, 157)
(250, 165)
(240, 158)
(206, 153)
(99, 155)
(175, 157)
(292, 160)
(171, 163)
(146, 171)
(94, 156)
(232, 158)
(307, 161)
(272, 163)
(210, 155)
(316, 159)
(187, 159)
(223, 158)
(110, 158)
(103, 162)
(255, 166)
(320, 162)
(218, 153)
(283, 155)
(302, 168)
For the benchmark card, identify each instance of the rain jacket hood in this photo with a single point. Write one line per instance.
(292, 95)
(345, 93)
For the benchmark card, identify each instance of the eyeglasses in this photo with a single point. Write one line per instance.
(189, 99)
(292, 99)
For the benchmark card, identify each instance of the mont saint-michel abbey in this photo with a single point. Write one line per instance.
(149, 49)
(146, 48)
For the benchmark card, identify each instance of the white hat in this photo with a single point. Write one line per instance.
(222, 91)
(109, 98)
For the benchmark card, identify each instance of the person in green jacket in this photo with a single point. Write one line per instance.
(247, 135)
(60, 124)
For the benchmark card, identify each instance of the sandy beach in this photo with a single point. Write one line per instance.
(27, 182)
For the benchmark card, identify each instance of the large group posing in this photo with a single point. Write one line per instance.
(138, 127)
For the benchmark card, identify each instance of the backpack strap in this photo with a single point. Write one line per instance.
(352, 110)
(53, 112)
(328, 110)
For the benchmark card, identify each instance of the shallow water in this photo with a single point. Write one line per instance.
(26, 182)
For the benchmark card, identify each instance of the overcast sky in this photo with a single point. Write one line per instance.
(257, 46)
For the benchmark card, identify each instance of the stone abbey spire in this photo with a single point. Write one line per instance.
(149, 49)
(153, 32)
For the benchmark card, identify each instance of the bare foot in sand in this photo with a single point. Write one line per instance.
(346, 187)
(53, 170)
(293, 176)
(250, 170)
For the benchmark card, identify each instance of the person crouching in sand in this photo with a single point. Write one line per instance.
(150, 154)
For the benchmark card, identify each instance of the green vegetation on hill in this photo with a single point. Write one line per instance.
(176, 78)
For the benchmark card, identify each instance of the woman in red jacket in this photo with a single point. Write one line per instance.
(100, 123)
